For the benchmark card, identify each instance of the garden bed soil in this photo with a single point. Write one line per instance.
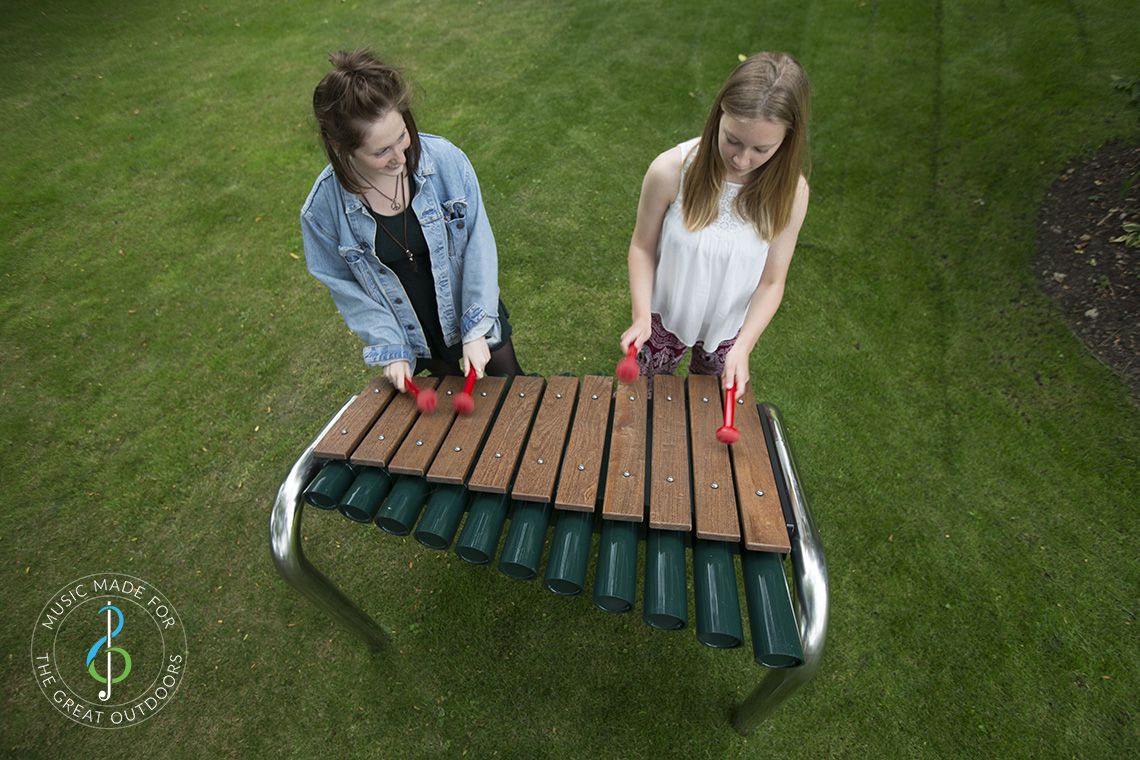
(1083, 262)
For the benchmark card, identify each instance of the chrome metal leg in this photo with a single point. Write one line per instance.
(809, 576)
(285, 545)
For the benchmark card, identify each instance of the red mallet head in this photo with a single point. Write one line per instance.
(464, 402)
(426, 400)
(728, 434)
(627, 369)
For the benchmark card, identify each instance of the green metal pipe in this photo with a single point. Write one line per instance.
(441, 517)
(363, 497)
(615, 585)
(718, 600)
(484, 525)
(775, 635)
(403, 505)
(569, 550)
(523, 548)
(330, 484)
(666, 598)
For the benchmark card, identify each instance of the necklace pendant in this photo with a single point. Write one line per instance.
(395, 205)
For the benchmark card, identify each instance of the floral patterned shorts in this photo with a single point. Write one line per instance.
(661, 354)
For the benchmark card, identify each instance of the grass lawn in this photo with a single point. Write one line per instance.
(166, 356)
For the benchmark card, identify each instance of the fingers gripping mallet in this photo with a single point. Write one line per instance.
(464, 401)
(627, 370)
(728, 434)
(426, 400)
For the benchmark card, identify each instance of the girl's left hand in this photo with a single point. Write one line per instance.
(475, 354)
(735, 369)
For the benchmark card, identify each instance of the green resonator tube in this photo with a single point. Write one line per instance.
(666, 600)
(523, 548)
(718, 601)
(480, 534)
(569, 552)
(330, 483)
(775, 636)
(362, 499)
(403, 505)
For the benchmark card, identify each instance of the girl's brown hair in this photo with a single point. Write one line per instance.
(358, 91)
(768, 86)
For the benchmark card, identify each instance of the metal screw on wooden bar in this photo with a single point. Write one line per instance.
(380, 437)
(419, 443)
(668, 398)
(344, 431)
(483, 394)
(669, 479)
(705, 399)
(457, 449)
(625, 474)
(557, 395)
(631, 398)
(759, 493)
(581, 467)
(498, 455)
(594, 397)
(715, 486)
(542, 461)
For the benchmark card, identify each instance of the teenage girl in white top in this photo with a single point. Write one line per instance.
(717, 224)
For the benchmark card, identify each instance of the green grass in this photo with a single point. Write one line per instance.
(166, 356)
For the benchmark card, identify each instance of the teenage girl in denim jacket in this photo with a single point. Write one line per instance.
(395, 228)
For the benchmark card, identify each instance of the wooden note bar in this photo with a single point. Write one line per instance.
(353, 424)
(539, 467)
(504, 445)
(625, 476)
(457, 454)
(582, 465)
(670, 505)
(385, 436)
(713, 499)
(760, 513)
(425, 437)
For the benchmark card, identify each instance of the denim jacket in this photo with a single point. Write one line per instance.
(340, 237)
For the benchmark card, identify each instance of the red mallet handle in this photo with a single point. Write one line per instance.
(627, 368)
(464, 401)
(426, 400)
(728, 434)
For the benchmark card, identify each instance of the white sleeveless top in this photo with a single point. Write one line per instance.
(705, 279)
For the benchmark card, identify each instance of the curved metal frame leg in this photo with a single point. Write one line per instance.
(285, 545)
(809, 575)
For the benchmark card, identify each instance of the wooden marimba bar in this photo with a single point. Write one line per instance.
(586, 456)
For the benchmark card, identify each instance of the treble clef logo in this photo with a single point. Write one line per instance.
(93, 652)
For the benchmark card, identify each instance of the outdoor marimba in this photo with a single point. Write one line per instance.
(584, 456)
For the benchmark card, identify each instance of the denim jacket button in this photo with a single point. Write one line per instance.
(411, 327)
(399, 300)
(460, 225)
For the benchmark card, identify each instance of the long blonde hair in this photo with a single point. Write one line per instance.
(768, 86)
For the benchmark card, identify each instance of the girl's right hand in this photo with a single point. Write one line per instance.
(397, 372)
(636, 335)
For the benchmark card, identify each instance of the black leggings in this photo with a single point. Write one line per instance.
(502, 363)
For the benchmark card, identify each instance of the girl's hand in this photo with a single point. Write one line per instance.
(397, 372)
(636, 335)
(475, 354)
(735, 369)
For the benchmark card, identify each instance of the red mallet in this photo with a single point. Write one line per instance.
(426, 400)
(465, 402)
(627, 368)
(728, 434)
